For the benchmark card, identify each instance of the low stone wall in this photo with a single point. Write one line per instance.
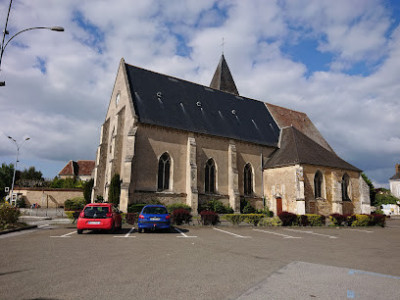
(46, 196)
(164, 198)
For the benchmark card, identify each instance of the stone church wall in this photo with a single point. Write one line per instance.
(331, 191)
(280, 183)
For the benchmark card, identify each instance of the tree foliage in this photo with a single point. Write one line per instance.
(6, 176)
(67, 183)
(371, 189)
(87, 190)
(114, 189)
(385, 197)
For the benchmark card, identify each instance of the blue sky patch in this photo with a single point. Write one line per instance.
(306, 52)
(41, 64)
(95, 36)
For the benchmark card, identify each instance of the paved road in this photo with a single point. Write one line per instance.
(53, 262)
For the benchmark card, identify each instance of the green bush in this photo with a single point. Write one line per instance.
(8, 215)
(249, 209)
(72, 214)
(315, 220)
(216, 206)
(362, 220)
(235, 219)
(253, 218)
(274, 221)
(21, 202)
(76, 203)
(175, 206)
(136, 207)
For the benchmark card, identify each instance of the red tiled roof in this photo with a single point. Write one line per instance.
(79, 168)
(85, 167)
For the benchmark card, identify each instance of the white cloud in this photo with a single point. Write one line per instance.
(63, 109)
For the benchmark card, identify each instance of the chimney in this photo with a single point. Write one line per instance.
(397, 169)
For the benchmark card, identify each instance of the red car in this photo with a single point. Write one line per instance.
(97, 216)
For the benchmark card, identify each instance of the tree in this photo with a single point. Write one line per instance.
(30, 177)
(114, 189)
(6, 176)
(372, 192)
(385, 197)
(87, 190)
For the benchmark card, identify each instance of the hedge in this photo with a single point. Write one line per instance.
(253, 218)
(176, 206)
(235, 219)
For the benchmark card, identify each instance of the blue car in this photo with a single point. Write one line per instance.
(154, 217)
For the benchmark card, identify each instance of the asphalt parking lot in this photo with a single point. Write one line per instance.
(194, 262)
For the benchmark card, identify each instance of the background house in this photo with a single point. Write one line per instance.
(81, 170)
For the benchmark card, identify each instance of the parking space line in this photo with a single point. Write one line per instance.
(313, 233)
(361, 230)
(184, 235)
(128, 235)
(279, 234)
(231, 233)
(67, 235)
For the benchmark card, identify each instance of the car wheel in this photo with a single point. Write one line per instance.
(79, 231)
(140, 230)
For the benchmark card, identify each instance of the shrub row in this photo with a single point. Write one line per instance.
(236, 219)
(358, 220)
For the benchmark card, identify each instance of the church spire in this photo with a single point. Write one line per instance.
(222, 79)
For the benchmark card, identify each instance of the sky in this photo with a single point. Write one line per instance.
(337, 61)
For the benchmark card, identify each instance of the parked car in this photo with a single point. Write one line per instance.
(99, 216)
(154, 217)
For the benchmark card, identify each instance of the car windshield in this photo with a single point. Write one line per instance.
(96, 211)
(155, 210)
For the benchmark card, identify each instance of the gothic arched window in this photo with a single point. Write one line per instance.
(345, 188)
(209, 177)
(164, 165)
(248, 180)
(318, 184)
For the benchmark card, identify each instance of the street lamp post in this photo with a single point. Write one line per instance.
(5, 32)
(16, 163)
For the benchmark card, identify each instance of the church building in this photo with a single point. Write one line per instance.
(176, 141)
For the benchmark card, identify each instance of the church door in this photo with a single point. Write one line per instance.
(278, 205)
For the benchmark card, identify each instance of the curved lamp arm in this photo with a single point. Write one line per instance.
(54, 28)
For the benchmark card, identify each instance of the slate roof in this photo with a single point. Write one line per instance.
(175, 103)
(79, 168)
(297, 148)
(222, 79)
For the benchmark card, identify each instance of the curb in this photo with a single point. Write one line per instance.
(18, 229)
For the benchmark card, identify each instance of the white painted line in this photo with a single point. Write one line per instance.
(184, 235)
(67, 235)
(355, 272)
(360, 230)
(43, 225)
(231, 233)
(279, 234)
(127, 235)
(313, 233)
